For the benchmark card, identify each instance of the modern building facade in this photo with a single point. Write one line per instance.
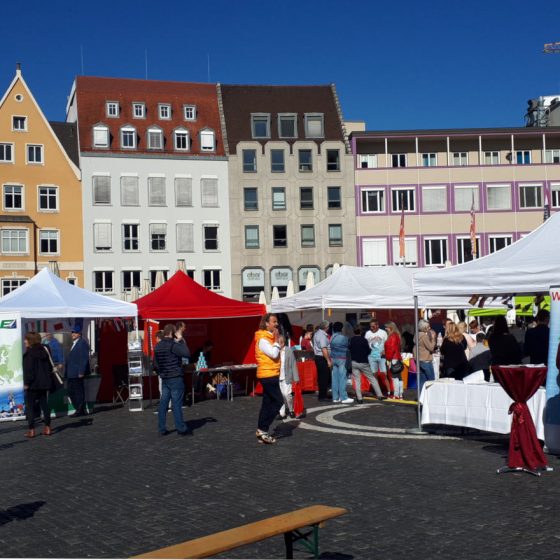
(291, 187)
(41, 216)
(507, 175)
(155, 179)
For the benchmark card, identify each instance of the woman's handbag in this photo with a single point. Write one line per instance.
(57, 382)
(396, 367)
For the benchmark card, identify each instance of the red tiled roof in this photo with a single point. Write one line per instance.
(92, 94)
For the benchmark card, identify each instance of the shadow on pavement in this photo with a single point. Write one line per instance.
(199, 422)
(285, 430)
(20, 512)
(71, 425)
(335, 556)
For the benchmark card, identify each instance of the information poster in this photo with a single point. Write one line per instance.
(552, 410)
(11, 371)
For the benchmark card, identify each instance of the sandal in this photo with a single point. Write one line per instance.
(264, 437)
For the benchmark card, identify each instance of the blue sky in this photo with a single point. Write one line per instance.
(396, 65)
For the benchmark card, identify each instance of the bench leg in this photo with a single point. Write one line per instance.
(288, 541)
(311, 544)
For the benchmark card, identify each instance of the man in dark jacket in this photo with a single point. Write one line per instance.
(536, 339)
(168, 357)
(77, 367)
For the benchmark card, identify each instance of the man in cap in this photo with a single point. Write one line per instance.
(77, 367)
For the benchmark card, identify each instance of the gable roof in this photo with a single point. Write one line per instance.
(67, 133)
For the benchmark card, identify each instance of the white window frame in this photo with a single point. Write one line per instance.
(471, 188)
(97, 130)
(14, 128)
(25, 237)
(523, 153)
(493, 239)
(141, 114)
(41, 152)
(205, 238)
(131, 274)
(103, 287)
(555, 195)
(97, 227)
(552, 156)
(56, 237)
(112, 109)
(379, 194)
(129, 237)
(498, 186)
(370, 161)
(429, 159)
(181, 133)
(260, 117)
(189, 109)
(22, 195)
(493, 156)
(154, 132)
(164, 111)
(433, 188)
(207, 132)
(444, 242)
(522, 195)
(152, 233)
(215, 283)
(4, 146)
(410, 195)
(314, 117)
(461, 239)
(287, 116)
(12, 284)
(402, 160)
(460, 159)
(128, 130)
(48, 195)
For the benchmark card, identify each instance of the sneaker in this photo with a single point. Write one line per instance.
(349, 400)
(336, 401)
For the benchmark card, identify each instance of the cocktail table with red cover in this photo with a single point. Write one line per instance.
(521, 383)
(307, 375)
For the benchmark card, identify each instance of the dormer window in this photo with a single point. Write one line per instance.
(260, 125)
(164, 110)
(190, 112)
(100, 136)
(128, 138)
(287, 125)
(181, 136)
(139, 110)
(314, 125)
(112, 109)
(155, 138)
(207, 140)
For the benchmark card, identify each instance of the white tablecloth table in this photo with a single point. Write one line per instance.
(481, 406)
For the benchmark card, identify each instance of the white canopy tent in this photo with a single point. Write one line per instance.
(527, 267)
(47, 296)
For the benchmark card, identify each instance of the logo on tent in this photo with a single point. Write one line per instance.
(8, 324)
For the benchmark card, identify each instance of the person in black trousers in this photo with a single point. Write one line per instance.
(322, 359)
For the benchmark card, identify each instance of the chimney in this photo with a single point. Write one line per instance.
(18, 67)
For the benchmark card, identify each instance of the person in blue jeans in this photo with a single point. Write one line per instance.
(168, 357)
(339, 354)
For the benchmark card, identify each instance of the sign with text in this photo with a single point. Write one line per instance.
(11, 371)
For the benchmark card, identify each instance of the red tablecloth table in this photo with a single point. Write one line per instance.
(521, 383)
(307, 375)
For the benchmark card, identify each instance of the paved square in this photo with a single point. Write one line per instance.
(109, 486)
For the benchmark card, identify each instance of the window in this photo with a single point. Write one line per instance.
(112, 109)
(374, 252)
(314, 125)
(13, 197)
(279, 198)
(306, 198)
(103, 281)
(209, 190)
(102, 233)
(410, 252)
(498, 197)
(277, 164)
(460, 158)
(185, 237)
(249, 161)
(158, 237)
(189, 111)
(48, 242)
(403, 198)
(555, 195)
(130, 191)
(464, 249)
(398, 160)
(48, 199)
(164, 110)
(367, 161)
(530, 196)
(101, 186)
(279, 236)
(373, 200)
(210, 234)
(207, 143)
(11, 284)
(212, 280)
(335, 235)
(435, 251)
(155, 139)
(181, 139)
(130, 237)
(429, 160)
(333, 160)
(252, 237)
(156, 191)
(308, 235)
(334, 198)
(552, 156)
(128, 138)
(523, 157)
(464, 197)
(260, 125)
(6, 153)
(34, 153)
(100, 136)
(491, 158)
(434, 199)
(139, 110)
(305, 160)
(14, 241)
(287, 125)
(72, 280)
(154, 277)
(183, 191)
(250, 199)
(19, 124)
(497, 242)
(130, 279)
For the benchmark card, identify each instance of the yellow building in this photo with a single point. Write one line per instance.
(41, 214)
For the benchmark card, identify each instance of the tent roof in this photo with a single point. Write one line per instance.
(527, 267)
(354, 287)
(47, 296)
(183, 298)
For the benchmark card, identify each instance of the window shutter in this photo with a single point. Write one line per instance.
(434, 200)
(207, 140)
(156, 191)
(183, 191)
(315, 126)
(130, 195)
(100, 136)
(102, 236)
(374, 252)
(209, 189)
(185, 238)
(102, 190)
(158, 229)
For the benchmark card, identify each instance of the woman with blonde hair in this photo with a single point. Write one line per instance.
(455, 363)
(393, 355)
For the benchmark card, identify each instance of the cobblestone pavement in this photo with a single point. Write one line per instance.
(110, 486)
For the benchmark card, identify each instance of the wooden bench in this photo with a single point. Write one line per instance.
(288, 524)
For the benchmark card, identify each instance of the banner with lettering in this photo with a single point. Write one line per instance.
(11, 371)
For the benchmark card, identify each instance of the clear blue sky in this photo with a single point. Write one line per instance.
(396, 65)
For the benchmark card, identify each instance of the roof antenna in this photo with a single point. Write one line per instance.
(146, 59)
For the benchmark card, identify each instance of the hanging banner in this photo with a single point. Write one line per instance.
(11, 371)
(552, 410)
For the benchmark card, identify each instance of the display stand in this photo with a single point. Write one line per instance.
(135, 372)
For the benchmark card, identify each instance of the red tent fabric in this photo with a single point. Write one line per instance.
(183, 298)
